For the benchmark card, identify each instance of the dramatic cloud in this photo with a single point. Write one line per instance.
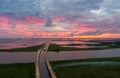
(59, 18)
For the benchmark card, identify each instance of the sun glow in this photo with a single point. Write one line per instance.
(105, 35)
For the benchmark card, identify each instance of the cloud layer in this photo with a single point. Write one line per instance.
(59, 18)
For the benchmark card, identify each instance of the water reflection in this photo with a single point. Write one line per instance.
(83, 54)
(17, 57)
(83, 44)
(22, 57)
(73, 42)
(19, 43)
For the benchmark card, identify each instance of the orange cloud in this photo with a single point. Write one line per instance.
(105, 35)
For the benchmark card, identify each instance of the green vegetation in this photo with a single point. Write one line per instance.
(57, 48)
(26, 49)
(52, 47)
(24, 70)
(87, 71)
(100, 46)
(115, 59)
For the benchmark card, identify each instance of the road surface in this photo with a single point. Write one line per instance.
(41, 68)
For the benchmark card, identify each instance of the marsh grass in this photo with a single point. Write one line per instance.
(22, 70)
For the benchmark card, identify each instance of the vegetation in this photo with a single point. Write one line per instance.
(100, 46)
(115, 59)
(17, 70)
(88, 71)
(53, 47)
(57, 48)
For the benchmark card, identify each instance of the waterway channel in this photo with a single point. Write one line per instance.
(23, 57)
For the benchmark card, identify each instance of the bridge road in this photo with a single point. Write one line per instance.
(43, 68)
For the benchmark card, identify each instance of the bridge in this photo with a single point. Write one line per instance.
(43, 68)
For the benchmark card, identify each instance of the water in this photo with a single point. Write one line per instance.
(73, 42)
(63, 55)
(87, 43)
(77, 43)
(17, 57)
(22, 57)
(20, 42)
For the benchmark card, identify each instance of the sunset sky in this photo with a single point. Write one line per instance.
(59, 18)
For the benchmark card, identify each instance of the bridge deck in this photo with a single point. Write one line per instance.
(43, 68)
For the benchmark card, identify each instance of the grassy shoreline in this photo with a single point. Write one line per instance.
(88, 71)
(115, 59)
(53, 47)
(17, 70)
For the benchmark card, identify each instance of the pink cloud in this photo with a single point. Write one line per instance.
(22, 27)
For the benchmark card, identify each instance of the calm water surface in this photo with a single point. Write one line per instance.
(83, 54)
(21, 57)
(17, 57)
(20, 42)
